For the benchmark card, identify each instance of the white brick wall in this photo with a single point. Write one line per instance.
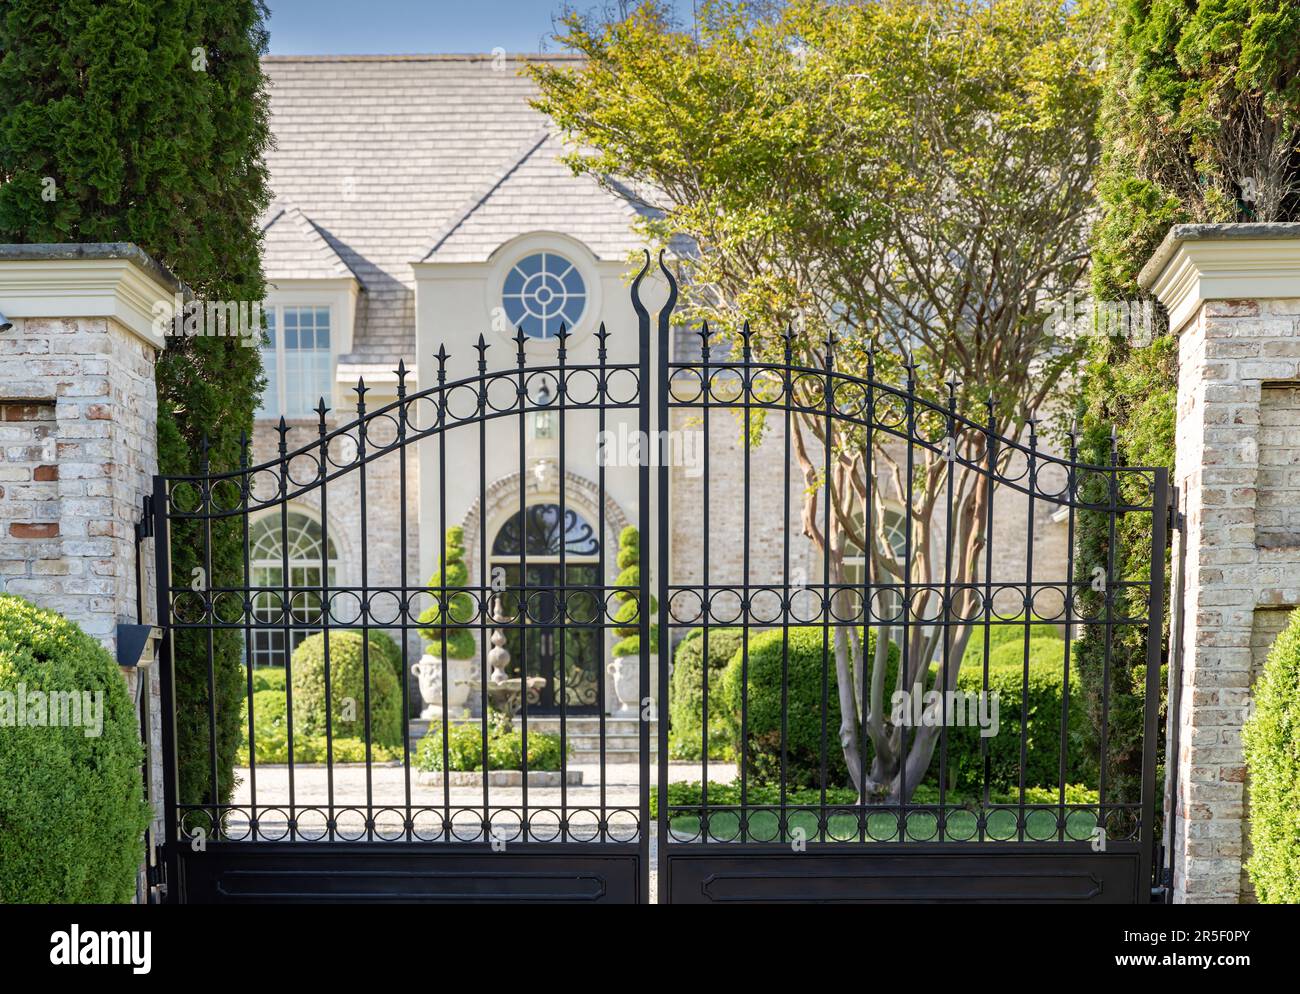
(78, 450)
(78, 441)
(1238, 465)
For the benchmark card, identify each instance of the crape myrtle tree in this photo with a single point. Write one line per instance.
(907, 179)
(1200, 123)
(146, 121)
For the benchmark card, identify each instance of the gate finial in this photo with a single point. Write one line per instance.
(642, 315)
(666, 312)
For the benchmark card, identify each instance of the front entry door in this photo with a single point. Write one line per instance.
(563, 647)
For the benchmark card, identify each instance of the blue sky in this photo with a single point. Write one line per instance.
(357, 27)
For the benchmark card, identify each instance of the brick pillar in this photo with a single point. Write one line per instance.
(1233, 297)
(78, 432)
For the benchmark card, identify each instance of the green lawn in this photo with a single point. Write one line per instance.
(1040, 825)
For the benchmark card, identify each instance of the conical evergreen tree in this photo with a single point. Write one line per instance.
(146, 121)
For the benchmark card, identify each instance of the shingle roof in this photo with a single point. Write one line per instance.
(538, 193)
(294, 250)
(392, 159)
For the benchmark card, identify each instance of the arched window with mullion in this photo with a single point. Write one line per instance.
(299, 543)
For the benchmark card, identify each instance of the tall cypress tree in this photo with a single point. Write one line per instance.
(148, 121)
(1200, 122)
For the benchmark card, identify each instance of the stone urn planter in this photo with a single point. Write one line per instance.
(626, 674)
(460, 683)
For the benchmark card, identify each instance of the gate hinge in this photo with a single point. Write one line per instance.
(144, 527)
(156, 877)
(1175, 519)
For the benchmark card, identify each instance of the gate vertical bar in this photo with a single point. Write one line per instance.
(643, 520)
(1173, 711)
(166, 685)
(661, 538)
(1155, 636)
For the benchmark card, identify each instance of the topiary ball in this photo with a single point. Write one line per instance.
(72, 807)
(347, 683)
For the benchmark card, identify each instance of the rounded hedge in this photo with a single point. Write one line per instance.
(271, 735)
(1272, 739)
(686, 694)
(347, 681)
(965, 751)
(803, 744)
(72, 807)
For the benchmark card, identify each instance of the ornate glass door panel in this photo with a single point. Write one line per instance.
(560, 637)
(546, 638)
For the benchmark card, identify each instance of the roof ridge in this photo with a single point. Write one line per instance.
(291, 212)
(459, 217)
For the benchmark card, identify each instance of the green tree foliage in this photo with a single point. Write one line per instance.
(460, 641)
(1273, 762)
(72, 807)
(912, 175)
(149, 117)
(1200, 119)
(1133, 391)
(1200, 122)
(626, 617)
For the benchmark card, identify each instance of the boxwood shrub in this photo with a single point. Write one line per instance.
(1272, 739)
(965, 759)
(460, 605)
(627, 615)
(72, 807)
(271, 735)
(347, 682)
(505, 749)
(686, 695)
(804, 712)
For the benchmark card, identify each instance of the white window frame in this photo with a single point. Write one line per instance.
(280, 407)
(340, 296)
(507, 256)
(266, 634)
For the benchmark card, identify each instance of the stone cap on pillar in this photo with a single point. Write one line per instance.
(117, 280)
(1200, 262)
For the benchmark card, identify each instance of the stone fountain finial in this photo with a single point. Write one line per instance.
(498, 656)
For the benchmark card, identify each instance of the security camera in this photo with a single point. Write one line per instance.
(5, 323)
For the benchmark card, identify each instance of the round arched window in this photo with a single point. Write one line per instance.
(543, 291)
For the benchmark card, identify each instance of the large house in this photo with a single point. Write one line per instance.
(420, 202)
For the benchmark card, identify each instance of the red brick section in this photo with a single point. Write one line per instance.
(27, 529)
(43, 474)
(26, 412)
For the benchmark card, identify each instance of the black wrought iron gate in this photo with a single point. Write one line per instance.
(319, 617)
